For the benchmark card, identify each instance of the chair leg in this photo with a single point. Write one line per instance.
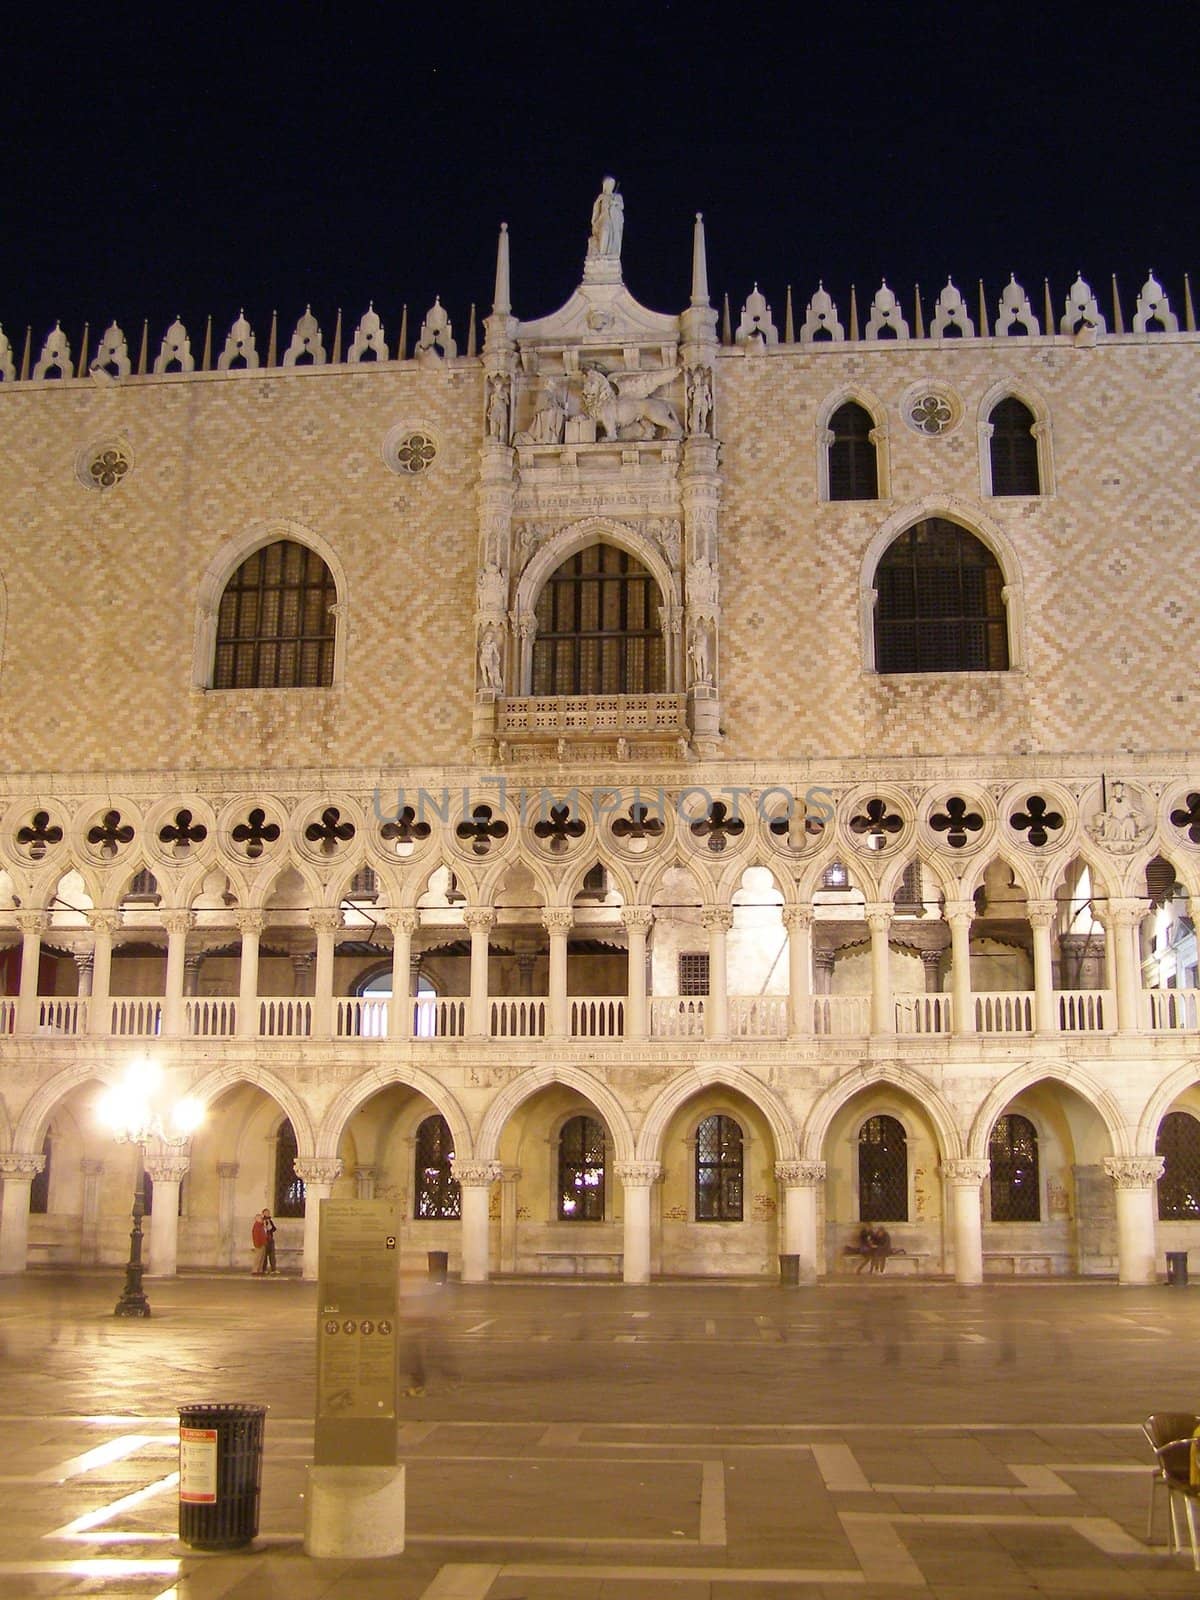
(1150, 1517)
(1191, 1521)
(1172, 1525)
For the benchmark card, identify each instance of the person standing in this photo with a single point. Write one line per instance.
(269, 1243)
(258, 1238)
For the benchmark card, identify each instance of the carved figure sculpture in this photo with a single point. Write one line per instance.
(608, 222)
(491, 667)
(497, 409)
(623, 405)
(548, 422)
(699, 397)
(702, 587)
(1121, 825)
(698, 655)
(492, 588)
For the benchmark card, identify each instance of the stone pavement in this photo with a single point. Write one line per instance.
(591, 1441)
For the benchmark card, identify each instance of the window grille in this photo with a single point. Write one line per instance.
(144, 886)
(364, 885)
(581, 1170)
(289, 1187)
(438, 1196)
(1178, 1143)
(595, 881)
(1013, 449)
(882, 1171)
(39, 1189)
(1015, 1183)
(598, 627)
(853, 469)
(693, 972)
(718, 1170)
(940, 603)
(909, 896)
(275, 626)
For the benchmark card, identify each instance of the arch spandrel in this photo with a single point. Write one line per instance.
(703, 1077)
(213, 1085)
(890, 1075)
(1069, 1075)
(514, 1095)
(355, 1095)
(1161, 1101)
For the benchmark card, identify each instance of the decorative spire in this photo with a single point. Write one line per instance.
(853, 313)
(471, 334)
(337, 339)
(273, 341)
(402, 345)
(699, 264)
(918, 315)
(144, 352)
(206, 358)
(1118, 317)
(726, 324)
(983, 315)
(25, 359)
(502, 299)
(1049, 307)
(789, 328)
(1189, 315)
(83, 353)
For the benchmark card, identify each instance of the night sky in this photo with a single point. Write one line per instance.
(158, 163)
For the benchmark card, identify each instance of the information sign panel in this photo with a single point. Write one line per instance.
(357, 1306)
(198, 1466)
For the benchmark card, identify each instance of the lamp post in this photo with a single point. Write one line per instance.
(137, 1110)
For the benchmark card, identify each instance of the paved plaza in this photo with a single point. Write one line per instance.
(592, 1441)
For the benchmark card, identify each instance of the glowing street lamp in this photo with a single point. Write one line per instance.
(136, 1110)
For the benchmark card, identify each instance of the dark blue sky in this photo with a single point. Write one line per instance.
(156, 164)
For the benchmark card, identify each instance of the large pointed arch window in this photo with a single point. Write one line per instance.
(882, 1171)
(940, 605)
(438, 1196)
(1013, 1153)
(276, 625)
(289, 1186)
(598, 627)
(1013, 449)
(581, 1170)
(853, 467)
(1178, 1143)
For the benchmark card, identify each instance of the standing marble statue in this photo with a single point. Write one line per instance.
(491, 667)
(497, 409)
(608, 222)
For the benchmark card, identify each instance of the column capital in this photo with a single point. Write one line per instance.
(103, 921)
(228, 1169)
(879, 916)
(558, 919)
(402, 920)
(476, 1174)
(33, 922)
(91, 1167)
(800, 1174)
(638, 919)
(177, 921)
(1125, 913)
(324, 919)
(717, 918)
(965, 1173)
(318, 1169)
(167, 1169)
(1041, 913)
(638, 1174)
(16, 1164)
(249, 921)
(1134, 1172)
(798, 918)
(479, 918)
(959, 911)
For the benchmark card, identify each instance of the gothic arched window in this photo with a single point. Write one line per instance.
(581, 1170)
(276, 625)
(39, 1189)
(1013, 448)
(1178, 1143)
(853, 468)
(940, 604)
(289, 1187)
(438, 1197)
(882, 1171)
(598, 627)
(718, 1170)
(1015, 1185)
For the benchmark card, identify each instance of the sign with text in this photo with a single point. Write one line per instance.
(357, 1306)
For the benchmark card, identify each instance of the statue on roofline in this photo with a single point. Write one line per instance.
(608, 223)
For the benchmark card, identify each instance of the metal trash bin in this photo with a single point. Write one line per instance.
(220, 1474)
(1177, 1267)
(439, 1264)
(789, 1270)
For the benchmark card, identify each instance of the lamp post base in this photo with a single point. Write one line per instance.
(133, 1302)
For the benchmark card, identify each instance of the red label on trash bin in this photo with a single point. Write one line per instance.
(198, 1466)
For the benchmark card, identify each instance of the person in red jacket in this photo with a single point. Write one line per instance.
(258, 1238)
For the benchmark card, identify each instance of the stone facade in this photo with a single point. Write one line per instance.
(776, 887)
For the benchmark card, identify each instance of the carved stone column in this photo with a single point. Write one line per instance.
(365, 1179)
(1122, 919)
(83, 968)
(33, 925)
(638, 921)
(509, 1179)
(1041, 915)
(318, 1175)
(103, 925)
(1136, 1179)
(960, 914)
(717, 920)
(401, 1007)
(167, 1172)
(699, 495)
(250, 925)
(18, 1172)
(191, 974)
(475, 1180)
(558, 922)
(798, 920)
(824, 962)
(801, 1182)
(302, 973)
(931, 960)
(962, 1180)
(883, 1012)
(637, 1178)
(89, 1232)
(480, 920)
(177, 924)
(326, 924)
(227, 1240)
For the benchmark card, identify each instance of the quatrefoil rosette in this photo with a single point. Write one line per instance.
(1039, 816)
(399, 826)
(180, 830)
(877, 821)
(329, 829)
(791, 824)
(253, 829)
(482, 829)
(36, 831)
(108, 830)
(557, 826)
(1179, 815)
(715, 823)
(958, 820)
(639, 822)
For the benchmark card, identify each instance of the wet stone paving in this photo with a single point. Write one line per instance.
(677, 1442)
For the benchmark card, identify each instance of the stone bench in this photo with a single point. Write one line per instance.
(580, 1259)
(1024, 1263)
(47, 1252)
(896, 1262)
